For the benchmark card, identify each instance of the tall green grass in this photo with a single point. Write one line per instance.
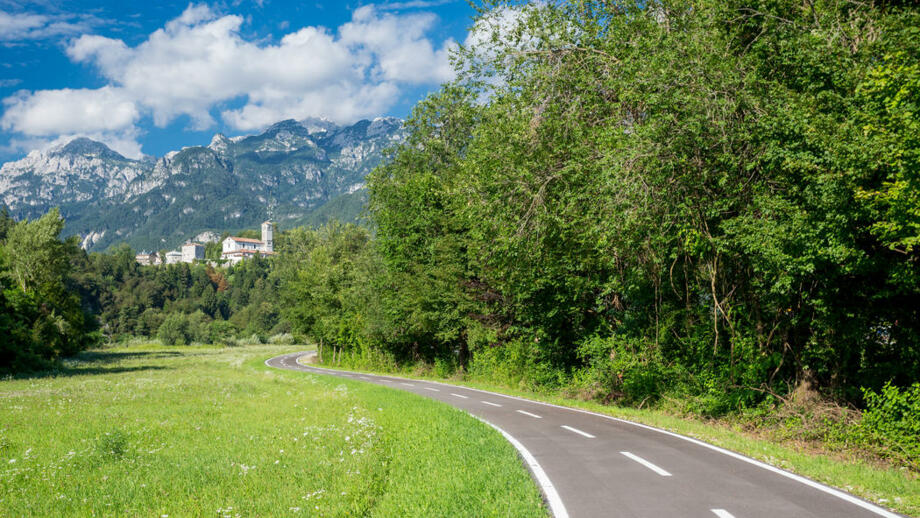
(154, 431)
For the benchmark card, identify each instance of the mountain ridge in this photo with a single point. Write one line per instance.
(289, 171)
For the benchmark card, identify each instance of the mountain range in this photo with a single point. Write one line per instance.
(295, 172)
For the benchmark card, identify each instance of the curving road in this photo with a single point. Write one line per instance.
(590, 464)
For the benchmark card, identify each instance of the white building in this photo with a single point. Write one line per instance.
(147, 258)
(192, 252)
(173, 257)
(235, 249)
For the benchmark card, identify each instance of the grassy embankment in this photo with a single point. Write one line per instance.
(891, 487)
(155, 431)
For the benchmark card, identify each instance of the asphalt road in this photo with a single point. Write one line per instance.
(593, 465)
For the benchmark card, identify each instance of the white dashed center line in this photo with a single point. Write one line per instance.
(647, 464)
(722, 513)
(579, 432)
(365, 378)
(459, 395)
(408, 384)
(491, 403)
(535, 416)
(432, 389)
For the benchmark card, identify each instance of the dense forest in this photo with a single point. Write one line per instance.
(701, 193)
(710, 202)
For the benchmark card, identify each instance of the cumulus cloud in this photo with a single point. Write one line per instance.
(54, 112)
(199, 62)
(398, 41)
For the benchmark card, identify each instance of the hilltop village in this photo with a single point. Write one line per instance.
(233, 250)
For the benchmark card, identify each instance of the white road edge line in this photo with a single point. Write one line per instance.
(579, 432)
(546, 486)
(535, 416)
(788, 474)
(646, 463)
(722, 513)
(432, 389)
(491, 403)
(459, 395)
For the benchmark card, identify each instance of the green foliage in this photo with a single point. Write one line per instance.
(892, 416)
(890, 115)
(174, 330)
(36, 258)
(45, 313)
(221, 332)
(687, 200)
(324, 293)
(217, 304)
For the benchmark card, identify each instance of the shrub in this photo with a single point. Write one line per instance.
(254, 339)
(621, 370)
(893, 415)
(199, 329)
(174, 330)
(282, 339)
(221, 332)
(444, 368)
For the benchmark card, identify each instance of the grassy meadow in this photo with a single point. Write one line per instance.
(197, 431)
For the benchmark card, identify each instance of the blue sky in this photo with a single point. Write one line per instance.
(149, 77)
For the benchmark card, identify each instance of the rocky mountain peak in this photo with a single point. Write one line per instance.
(219, 143)
(86, 147)
(299, 168)
(318, 125)
(286, 126)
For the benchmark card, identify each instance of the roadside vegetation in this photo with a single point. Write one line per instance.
(705, 208)
(204, 431)
(791, 441)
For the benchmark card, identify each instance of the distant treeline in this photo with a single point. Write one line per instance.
(183, 303)
(714, 200)
(57, 300)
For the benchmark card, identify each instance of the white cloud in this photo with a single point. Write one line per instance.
(413, 4)
(200, 61)
(55, 112)
(16, 27)
(398, 41)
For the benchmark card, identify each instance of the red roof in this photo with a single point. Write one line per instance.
(245, 240)
(247, 251)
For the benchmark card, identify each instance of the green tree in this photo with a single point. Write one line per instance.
(174, 330)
